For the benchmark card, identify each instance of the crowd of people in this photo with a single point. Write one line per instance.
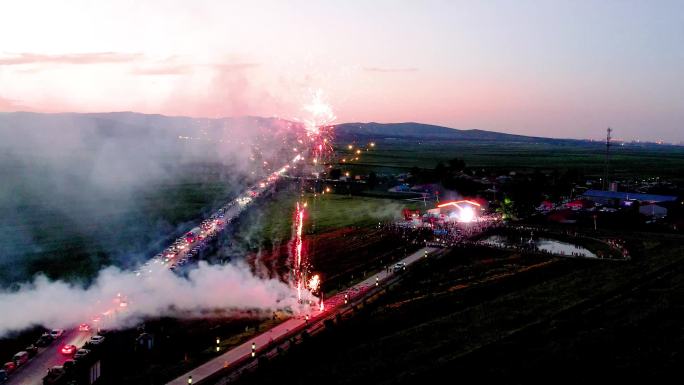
(451, 233)
(443, 233)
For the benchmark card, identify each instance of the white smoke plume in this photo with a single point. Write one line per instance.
(207, 288)
(94, 181)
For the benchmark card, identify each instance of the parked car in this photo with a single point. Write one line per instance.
(31, 350)
(96, 340)
(55, 375)
(81, 353)
(44, 340)
(21, 358)
(56, 333)
(69, 364)
(9, 367)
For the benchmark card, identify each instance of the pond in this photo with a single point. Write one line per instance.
(544, 244)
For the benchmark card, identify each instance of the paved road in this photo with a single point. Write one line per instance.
(239, 355)
(34, 371)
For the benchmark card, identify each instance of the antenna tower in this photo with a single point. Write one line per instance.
(606, 183)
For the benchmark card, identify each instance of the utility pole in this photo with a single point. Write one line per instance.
(606, 184)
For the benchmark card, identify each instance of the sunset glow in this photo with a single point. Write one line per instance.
(550, 69)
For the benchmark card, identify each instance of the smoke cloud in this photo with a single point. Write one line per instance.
(207, 288)
(84, 190)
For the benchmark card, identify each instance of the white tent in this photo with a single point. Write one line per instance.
(653, 211)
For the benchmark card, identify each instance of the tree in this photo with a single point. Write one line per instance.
(335, 173)
(372, 179)
(507, 209)
(457, 164)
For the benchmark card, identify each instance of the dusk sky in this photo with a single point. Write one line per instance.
(548, 68)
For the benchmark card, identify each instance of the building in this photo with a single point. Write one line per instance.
(625, 198)
(653, 211)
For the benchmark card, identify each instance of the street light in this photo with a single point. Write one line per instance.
(253, 349)
(377, 281)
(346, 299)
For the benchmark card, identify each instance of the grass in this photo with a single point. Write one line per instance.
(401, 155)
(272, 221)
(335, 211)
(64, 236)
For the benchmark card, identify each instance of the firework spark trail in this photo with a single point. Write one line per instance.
(299, 225)
(317, 146)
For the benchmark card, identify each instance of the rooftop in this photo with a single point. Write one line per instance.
(629, 195)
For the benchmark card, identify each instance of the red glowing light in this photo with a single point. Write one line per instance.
(456, 203)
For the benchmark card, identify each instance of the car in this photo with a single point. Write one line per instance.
(55, 375)
(399, 266)
(56, 333)
(69, 364)
(21, 358)
(44, 340)
(31, 350)
(80, 353)
(68, 349)
(3, 376)
(9, 367)
(96, 340)
(83, 327)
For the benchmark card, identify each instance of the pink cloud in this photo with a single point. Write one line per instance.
(171, 68)
(389, 69)
(12, 105)
(72, 58)
(228, 67)
(164, 69)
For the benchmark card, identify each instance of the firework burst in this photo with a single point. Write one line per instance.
(318, 128)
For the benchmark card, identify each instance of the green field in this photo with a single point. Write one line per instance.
(48, 230)
(272, 221)
(73, 236)
(401, 155)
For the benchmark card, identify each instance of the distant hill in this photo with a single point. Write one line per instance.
(428, 131)
(131, 123)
